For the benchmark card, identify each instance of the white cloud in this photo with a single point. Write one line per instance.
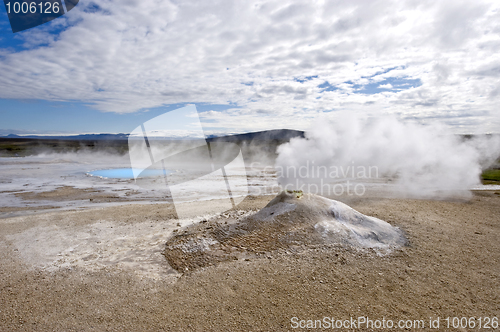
(386, 86)
(137, 54)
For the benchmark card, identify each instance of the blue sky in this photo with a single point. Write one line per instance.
(40, 117)
(107, 66)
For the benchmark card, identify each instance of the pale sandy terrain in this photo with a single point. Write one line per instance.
(103, 270)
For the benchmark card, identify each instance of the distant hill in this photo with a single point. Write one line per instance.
(273, 135)
(268, 135)
(17, 145)
(84, 137)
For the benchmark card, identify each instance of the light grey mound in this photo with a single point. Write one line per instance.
(291, 220)
(334, 220)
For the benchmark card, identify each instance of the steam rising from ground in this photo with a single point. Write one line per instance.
(84, 156)
(420, 161)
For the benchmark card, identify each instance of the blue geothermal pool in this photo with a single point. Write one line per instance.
(126, 173)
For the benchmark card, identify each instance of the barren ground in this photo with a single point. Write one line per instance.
(450, 268)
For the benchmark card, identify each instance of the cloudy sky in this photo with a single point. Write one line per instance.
(109, 65)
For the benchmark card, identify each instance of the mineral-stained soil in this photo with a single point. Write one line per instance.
(66, 193)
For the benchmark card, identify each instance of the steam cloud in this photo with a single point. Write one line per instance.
(421, 161)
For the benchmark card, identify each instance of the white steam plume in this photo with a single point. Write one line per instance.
(421, 161)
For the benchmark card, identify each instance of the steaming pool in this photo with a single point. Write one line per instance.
(127, 173)
(69, 181)
(78, 181)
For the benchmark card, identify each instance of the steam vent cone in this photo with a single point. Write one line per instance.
(292, 221)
